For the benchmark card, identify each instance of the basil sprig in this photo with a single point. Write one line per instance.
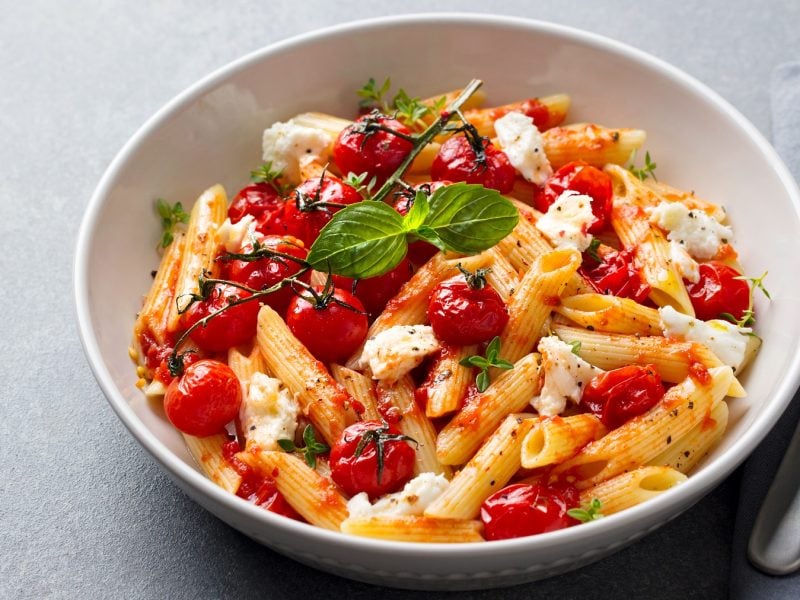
(370, 238)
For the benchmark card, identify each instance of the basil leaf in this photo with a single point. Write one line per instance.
(470, 218)
(419, 210)
(362, 240)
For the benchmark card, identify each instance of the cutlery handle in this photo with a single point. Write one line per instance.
(775, 540)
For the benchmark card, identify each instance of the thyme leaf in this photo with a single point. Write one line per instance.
(310, 451)
(484, 363)
(590, 512)
(648, 170)
(171, 216)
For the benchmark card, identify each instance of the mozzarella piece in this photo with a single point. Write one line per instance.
(695, 230)
(231, 236)
(686, 265)
(288, 146)
(268, 412)
(727, 341)
(417, 495)
(523, 145)
(565, 376)
(566, 222)
(394, 352)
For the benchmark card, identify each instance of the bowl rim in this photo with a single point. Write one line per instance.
(695, 486)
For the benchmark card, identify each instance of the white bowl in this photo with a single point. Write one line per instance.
(211, 133)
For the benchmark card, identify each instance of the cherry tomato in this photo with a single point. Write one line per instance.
(580, 177)
(718, 291)
(419, 252)
(456, 161)
(617, 396)
(330, 331)
(521, 509)
(204, 399)
(617, 275)
(313, 204)
(364, 473)
(466, 310)
(375, 292)
(261, 201)
(265, 272)
(359, 149)
(235, 326)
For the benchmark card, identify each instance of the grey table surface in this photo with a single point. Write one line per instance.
(84, 511)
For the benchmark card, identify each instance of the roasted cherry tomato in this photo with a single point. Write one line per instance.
(458, 161)
(230, 328)
(262, 202)
(617, 396)
(366, 471)
(204, 399)
(718, 291)
(267, 271)
(366, 146)
(313, 204)
(583, 178)
(419, 252)
(331, 329)
(521, 509)
(618, 276)
(375, 292)
(466, 310)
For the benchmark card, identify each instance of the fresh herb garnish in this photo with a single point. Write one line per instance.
(171, 216)
(403, 107)
(748, 316)
(380, 436)
(592, 250)
(373, 95)
(410, 110)
(491, 360)
(648, 170)
(588, 513)
(370, 238)
(310, 450)
(357, 182)
(576, 347)
(266, 174)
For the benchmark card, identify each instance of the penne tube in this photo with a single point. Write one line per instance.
(361, 388)
(670, 194)
(331, 125)
(208, 213)
(555, 439)
(550, 111)
(509, 393)
(687, 451)
(413, 423)
(320, 397)
(603, 312)
(245, 365)
(501, 275)
(594, 144)
(411, 528)
(313, 496)
(207, 452)
(644, 437)
(486, 472)
(673, 360)
(448, 381)
(630, 489)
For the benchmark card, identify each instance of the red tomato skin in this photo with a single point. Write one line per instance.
(520, 510)
(375, 292)
(233, 327)
(360, 474)
(204, 399)
(266, 272)
(461, 315)
(379, 154)
(456, 162)
(305, 225)
(262, 202)
(718, 291)
(331, 333)
(585, 179)
(617, 396)
(617, 275)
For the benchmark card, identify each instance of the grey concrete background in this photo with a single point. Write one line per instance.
(84, 512)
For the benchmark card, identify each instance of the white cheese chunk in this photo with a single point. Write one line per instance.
(417, 495)
(565, 376)
(697, 231)
(727, 341)
(566, 222)
(394, 352)
(231, 235)
(686, 265)
(523, 145)
(288, 146)
(268, 412)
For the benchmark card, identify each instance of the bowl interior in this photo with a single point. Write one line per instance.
(212, 134)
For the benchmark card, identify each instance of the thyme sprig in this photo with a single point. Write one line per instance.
(171, 216)
(484, 363)
(408, 110)
(748, 317)
(379, 436)
(357, 182)
(310, 451)
(267, 174)
(590, 512)
(642, 173)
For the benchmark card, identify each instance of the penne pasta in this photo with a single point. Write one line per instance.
(555, 439)
(360, 388)
(207, 452)
(550, 111)
(411, 528)
(448, 381)
(684, 453)
(630, 489)
(601, 312)
(594, 144)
